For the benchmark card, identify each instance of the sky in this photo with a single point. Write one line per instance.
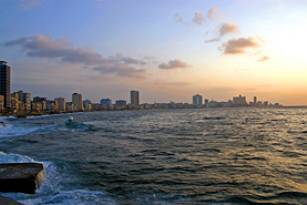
(169, 50)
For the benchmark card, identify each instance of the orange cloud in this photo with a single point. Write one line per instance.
(173, 64)
(228, 28)
(241, 45)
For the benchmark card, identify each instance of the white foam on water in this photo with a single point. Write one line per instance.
(14, 158)
(74, 197)
(10, 130)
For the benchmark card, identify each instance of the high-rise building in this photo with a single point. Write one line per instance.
(255, 100)
(197, 101)
(134, 98)
(239, 101)
(5, 84)
(77, 102)
(60, 104)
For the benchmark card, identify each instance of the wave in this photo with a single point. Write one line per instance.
(14, 158)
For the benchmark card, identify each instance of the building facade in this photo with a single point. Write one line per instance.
(60, 104)
(197, 101)
(239, 101)
(5, 84)
(135, 98)
(77, 102)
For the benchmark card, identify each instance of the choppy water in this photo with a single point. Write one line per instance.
(215, 156)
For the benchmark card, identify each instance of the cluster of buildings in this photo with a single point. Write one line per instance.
(22, 103)
(237, 101)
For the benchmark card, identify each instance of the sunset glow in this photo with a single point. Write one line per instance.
(167, 49)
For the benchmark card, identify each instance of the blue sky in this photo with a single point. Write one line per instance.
(158, 47)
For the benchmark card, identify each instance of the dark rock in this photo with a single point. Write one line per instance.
(21, 177)
(7, 201)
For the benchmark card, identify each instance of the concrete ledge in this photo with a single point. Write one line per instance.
(7, 201)
(21, 177)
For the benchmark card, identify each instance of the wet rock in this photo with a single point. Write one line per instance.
(7, 201)
(21, 177)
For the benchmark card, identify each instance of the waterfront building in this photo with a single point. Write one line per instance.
(5, 84)
(206, 103)
(38, 107)
(87, 104)
(106, 101)
(15, 104)
(24, 100)
(197, 101)
(40, 100)
(77, 102)
(120, 104)
(69, 107)
(51, 107)
(239, 101)
(255, 100)
(60, 104)
(134, 98)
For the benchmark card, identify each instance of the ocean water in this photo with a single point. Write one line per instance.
(213, 156)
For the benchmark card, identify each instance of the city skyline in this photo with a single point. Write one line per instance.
(22, 101)
(167, 50)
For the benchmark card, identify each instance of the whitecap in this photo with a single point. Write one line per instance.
(14, 158)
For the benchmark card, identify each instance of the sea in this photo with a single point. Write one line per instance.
(190, 156)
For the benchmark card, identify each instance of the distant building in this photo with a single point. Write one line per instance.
(87, 104)
(51, 107)
(5, 84)
(106, 101)
(69, 107)
(24, 100)
(60, 104)
(120, 104)
(39, 104)
(255, 100)
(197, 101)
(134, 98)
(77, 102)
(239, 101)
(206, 103)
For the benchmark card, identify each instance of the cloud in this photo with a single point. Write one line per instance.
(199, 18)
(228, 28)
(241, 45)
(264, 58)
(42, 46)
(173, 64)
(213, 40)
(225, 28)
(213, 12)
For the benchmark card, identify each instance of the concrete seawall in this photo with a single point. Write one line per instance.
(20, 178)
